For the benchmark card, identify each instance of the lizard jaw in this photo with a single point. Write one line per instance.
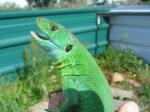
(46, 43)
(38, 36)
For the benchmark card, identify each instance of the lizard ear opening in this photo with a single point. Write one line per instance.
(68, 47)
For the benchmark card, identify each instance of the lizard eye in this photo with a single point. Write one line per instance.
(53, 28)
(68, 47)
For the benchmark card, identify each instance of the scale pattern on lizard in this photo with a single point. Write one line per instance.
(84, 85)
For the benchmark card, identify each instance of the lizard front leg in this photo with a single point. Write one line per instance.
(71, 101)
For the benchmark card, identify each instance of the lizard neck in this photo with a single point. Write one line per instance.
(73, 69)
(77, 63)
(73, 66)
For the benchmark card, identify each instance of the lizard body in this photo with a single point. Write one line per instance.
(84, 85)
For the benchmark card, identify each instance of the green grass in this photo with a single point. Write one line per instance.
(131, 67)
(32, 84)
(39, 78)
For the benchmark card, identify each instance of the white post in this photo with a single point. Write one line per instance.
(110, 1)
(88, 2)
(58, 1)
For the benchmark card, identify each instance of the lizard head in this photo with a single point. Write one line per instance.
(58, 42)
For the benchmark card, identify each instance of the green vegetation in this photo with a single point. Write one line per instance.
(42, 4)
(39, 78)
(32, 84)
(125, 61)
(131, 67)
(12, 7)
(45, 4)
(145, 2)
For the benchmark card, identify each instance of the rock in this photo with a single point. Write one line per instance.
(129, 106)
(39, 107)
(122, 93)
(134, 83)
(117, 77)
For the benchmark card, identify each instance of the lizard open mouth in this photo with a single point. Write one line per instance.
(35, 34)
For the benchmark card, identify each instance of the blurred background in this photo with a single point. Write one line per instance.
(32, 4)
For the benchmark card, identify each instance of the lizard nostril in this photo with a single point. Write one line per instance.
(39, 19)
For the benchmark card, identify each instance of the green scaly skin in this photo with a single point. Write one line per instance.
(84, 85)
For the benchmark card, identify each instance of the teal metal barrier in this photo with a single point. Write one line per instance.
(15, 28)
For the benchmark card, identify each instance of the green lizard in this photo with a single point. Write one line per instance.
(84, 85)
